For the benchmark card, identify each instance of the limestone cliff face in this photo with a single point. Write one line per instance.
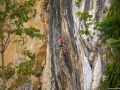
(13, 54)
(82, 66)
(39, 21)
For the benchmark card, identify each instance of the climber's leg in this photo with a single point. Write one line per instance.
(63, 48)
(62, 51)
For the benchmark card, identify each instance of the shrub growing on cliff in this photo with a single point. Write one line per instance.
(110, 28)
(84, 16)
(12, 19)
(21, 73)
(77, 2)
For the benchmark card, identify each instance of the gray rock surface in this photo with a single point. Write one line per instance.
(81, 68)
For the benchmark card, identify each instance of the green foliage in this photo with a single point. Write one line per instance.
(23, 71)
(2, 1)
(88, 39)
(17, 31)
(83, 16)
(110, 29)
(29, 54)
(18, 15)
(112, 71)
(18, 11)
(86, 32)
(110, 24)
(9, 72)
(32, 32)
(77, 3)
(93, 33)
(88, 24)
(114, 43)
(12, 19)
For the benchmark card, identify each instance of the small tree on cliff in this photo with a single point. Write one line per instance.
(12, 19)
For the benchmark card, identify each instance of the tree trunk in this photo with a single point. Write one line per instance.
(3, 73)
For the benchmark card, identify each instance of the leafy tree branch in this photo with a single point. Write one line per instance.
(12, 19)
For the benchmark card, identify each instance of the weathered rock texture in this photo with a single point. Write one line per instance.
(13, 54)
(81, 68)
(39, 21)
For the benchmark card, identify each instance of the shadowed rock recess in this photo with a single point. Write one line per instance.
(82, 66)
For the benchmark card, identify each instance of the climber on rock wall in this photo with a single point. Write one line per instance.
(61, 44)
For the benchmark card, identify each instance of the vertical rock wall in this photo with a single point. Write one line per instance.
(81, 67)
(13, 54)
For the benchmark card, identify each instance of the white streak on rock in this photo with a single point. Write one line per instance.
(87, 74)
